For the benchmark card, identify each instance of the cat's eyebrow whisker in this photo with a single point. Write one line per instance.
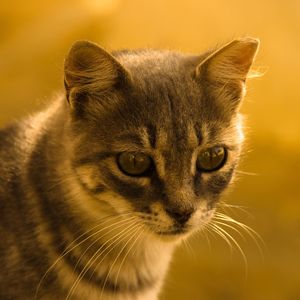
(247, 173)
(96, 255)
(69, 248)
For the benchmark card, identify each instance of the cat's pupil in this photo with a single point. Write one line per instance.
(134, 164)
(211, 159)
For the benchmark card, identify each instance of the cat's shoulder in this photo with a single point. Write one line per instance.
(9, 134)
(10, 140)
(13, 143)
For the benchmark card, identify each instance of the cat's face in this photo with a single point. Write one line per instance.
(157, 134)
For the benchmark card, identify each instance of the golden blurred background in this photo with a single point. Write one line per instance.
(35, 36)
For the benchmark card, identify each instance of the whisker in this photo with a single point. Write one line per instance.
(125, 256)
(223, 205)
(236, 244)
(247, 228)
(222, 235)
(70, 248)
(95, 256)
(133, 234)
(231, 227)
(120, 224)
(251, 232)
(246, 173)
(115, 243)
(204, 232)
(188, 248)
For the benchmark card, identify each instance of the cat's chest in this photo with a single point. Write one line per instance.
(138, 275)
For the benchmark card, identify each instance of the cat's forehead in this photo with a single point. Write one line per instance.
(165, 104)
(147, 62)
(188, 136)
(163, 84)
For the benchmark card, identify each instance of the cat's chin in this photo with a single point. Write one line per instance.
(174, 232)
(173, 235)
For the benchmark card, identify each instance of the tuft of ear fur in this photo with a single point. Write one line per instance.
(226, 69)
(91, 71)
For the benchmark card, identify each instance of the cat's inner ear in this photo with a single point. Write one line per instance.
(91, 71)
(226, 69)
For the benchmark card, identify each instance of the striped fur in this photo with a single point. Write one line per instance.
(73, 226)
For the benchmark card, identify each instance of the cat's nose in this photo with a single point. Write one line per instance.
(181, 216)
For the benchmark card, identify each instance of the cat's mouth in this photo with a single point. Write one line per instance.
(175, 231)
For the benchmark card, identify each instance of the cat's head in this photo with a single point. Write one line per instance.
(157, 134)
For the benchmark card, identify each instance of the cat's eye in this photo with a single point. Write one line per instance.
(134, 163)
(211, 159)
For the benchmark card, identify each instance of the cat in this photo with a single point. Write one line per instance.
(97, 190)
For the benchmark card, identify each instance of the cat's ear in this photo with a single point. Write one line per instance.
(225, 70)
(91, 71)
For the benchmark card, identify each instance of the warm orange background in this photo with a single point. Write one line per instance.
(34, 37)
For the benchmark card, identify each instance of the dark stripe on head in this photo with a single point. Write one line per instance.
(98, 189)
(198, 131)
(130, 137)
(152, 132)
